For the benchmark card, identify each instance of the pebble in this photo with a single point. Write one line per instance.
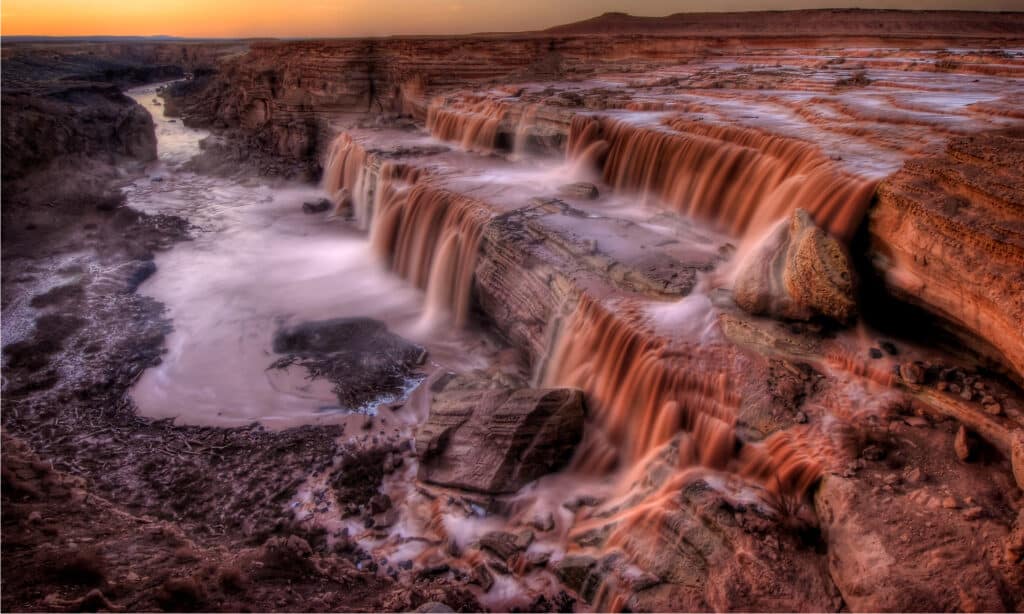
(916, 421)
(914, 476)
(962, 444)
(993, 408)
(950, 503)
(912, 373)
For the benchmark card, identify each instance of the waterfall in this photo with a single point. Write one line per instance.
(739, 179)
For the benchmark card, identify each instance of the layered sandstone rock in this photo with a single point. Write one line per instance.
(496, 441)
(946, 236)
(797, 272)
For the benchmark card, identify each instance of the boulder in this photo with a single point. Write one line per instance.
(797, 272)
(496, 441)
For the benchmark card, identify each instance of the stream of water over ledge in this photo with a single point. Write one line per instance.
(256, 264)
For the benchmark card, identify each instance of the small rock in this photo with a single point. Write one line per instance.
(433, 607)
(973, 513)
(573, 569)
(950, 503)
(524, 539)
(962, 444)
(502, 544)
(380, 503)
(914, 476)
(873, 453)
(35, 518)
(993, 408)
(544, 522)
(912, 373)
(916, 421)
(801, 417)
(385, 519)
(434, 570)
(537, 558)
(482, 576)
(581, 501)
(967, 394)
(316, 206)
(579, 189)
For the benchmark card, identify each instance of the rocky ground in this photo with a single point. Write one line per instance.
(828, 433)
(101, 506)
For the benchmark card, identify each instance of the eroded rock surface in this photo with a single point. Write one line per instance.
(946, 237)
(497, 440)
(797, 272)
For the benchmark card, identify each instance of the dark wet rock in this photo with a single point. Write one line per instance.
(316, 206)
(379, 504)
(573, 570)
(497, 441)
(363, 360)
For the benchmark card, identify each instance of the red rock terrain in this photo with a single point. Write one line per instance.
(760, 278)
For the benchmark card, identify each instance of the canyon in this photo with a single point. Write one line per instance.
(702, 312)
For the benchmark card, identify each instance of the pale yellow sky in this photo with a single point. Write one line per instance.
(325, 18)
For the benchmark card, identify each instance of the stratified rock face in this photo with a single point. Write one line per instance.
(880, 566)
(496, 441)
(797, 272)
(946, 235)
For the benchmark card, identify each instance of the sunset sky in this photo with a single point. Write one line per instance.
(322, 18)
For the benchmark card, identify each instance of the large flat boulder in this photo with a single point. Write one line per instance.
(497, 441)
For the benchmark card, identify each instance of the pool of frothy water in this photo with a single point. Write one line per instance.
(256, 263)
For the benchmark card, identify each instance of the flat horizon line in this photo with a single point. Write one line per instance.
(175, 37)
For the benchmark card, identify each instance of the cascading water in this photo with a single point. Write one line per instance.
(642, 391)
(740, 179)
(473, 124)
(431, 236)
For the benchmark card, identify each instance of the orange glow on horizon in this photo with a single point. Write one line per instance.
(331, 18)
